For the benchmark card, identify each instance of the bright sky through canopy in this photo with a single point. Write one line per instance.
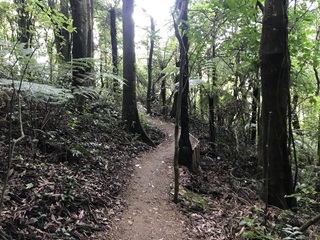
(158, 9)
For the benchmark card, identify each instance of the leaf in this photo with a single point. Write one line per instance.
(29, 185)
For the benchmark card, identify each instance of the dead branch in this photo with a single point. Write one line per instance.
(309, 223)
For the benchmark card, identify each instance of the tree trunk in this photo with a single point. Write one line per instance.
(129, 105)
(175, 98)
(82, 50)
(212, 97)
(212, 126)
(114, 47)
(25, 24)
(275, 67)
(185, 148)
(254, 111)
(163, 95)
(62, 36)
(149, 90)
(294, 114)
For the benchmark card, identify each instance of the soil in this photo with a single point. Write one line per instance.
(83, 177)
(150, 212)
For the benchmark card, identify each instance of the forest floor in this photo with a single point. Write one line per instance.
(81, 176)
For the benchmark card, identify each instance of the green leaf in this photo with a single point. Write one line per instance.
(29, 185)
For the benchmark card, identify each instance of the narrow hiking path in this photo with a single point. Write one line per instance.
(151, 214)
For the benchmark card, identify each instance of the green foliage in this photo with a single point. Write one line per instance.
(292, 233)
(254, 230)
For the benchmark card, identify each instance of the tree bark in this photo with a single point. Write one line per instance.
(185, 148)
(25, 24)
(149, 90)
(275, 67)
(295, 118)
(82, 14)
(114, 47)
(129, 105)
(212, 98)
(62, 36)
(254, 115)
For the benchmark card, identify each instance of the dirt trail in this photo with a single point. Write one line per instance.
(151, 213)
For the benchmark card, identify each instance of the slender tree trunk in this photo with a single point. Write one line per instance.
(114, 47)
(62, 36)
(212, 97)
(149, 90)
(175, 98)
(275, 68)
(185, 148)
(163, 95)
(65, 48)
(295, 118)
(254, 111)
(129, 105)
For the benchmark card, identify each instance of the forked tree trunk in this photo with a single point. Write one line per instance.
(275, 67)
(130, 114)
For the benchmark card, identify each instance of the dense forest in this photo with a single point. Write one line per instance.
(83, 89)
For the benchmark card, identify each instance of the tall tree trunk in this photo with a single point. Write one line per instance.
(212, 97)
(185, 148)
(149, 90)
(275, 67)
(129, 105)
(114, 47)
(82, 14)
